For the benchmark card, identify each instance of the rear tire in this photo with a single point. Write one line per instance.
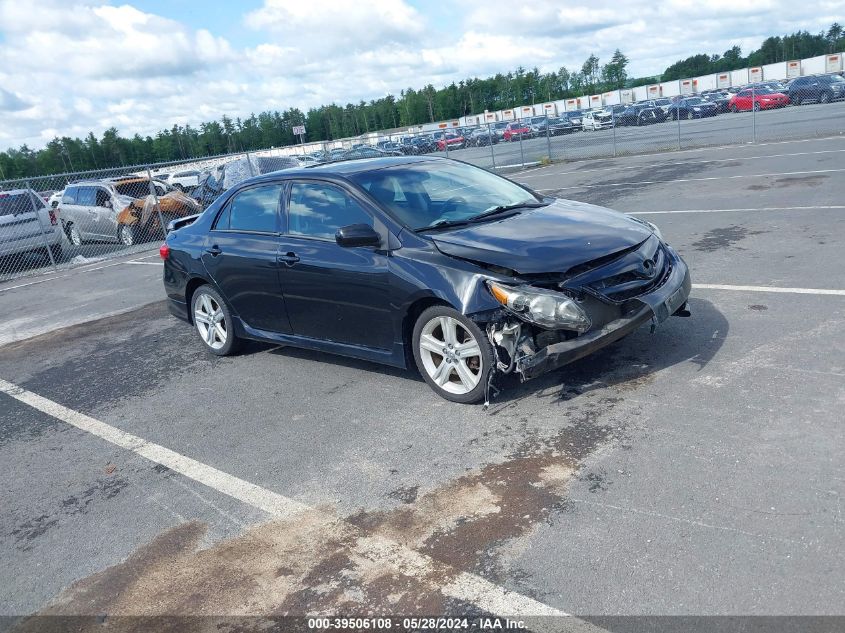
(213, 322)
(734, 109)
(453, 354)
(756, 107)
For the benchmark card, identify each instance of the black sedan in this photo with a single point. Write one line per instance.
(419, 261)
(641, 114)
(692, 108)
(562, 125)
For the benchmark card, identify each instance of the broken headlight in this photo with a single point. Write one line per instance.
(544, 307)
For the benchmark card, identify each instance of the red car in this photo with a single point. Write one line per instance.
(454, 141)
(762, 99)
(517, 130)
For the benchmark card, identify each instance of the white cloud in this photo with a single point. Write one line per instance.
(329, 25)
(69, 68)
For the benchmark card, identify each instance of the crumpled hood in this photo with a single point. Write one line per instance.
(545, 240)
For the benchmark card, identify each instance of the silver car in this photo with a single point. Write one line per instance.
(88, 212)
(27, 224)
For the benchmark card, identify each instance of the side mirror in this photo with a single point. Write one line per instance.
(357, 235)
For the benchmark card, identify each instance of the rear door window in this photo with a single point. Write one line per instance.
(70, 195)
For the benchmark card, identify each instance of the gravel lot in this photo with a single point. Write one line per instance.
(694, 471)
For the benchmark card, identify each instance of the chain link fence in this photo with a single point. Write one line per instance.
(55, 222)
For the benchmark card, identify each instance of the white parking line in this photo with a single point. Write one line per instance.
(679, 162)
(146, 263)
(463, 586)
(702, 150)
(835, 207)
(799, 291)
(661, 182)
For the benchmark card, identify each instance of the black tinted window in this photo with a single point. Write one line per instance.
(87, 196)
(319, 210)
(102, 197)
(255, 209)
(17, 203)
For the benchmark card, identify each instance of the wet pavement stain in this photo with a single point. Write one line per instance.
(791, 181)
(405, 494)
(724, 237)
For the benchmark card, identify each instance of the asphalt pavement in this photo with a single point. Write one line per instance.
(696, 470)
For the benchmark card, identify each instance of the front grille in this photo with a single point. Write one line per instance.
(628, 275)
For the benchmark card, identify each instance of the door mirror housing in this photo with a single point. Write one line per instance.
(357, 235)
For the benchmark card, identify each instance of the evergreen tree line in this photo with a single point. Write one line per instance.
(413, 106)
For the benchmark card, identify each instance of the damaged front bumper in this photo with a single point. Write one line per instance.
(656, 306)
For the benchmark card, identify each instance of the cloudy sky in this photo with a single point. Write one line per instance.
(68, 67)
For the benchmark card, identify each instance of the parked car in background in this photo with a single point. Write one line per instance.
(821, 88)
(121, 209)
(419, 261)
(392, 147)
(641, 114)
(721, 98)
(420, 144)
(575, 117)
(596, 120)
(663, 103)
(28, 224)
(757, 98)
(561, 125)
(692, 108)
(183, 180)
(481, 137)
(516, 130)
(499, 128)
(450, 140)
(368, 152)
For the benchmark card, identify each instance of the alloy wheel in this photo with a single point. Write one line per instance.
(210, 321)
(126, 235)
(450, 355)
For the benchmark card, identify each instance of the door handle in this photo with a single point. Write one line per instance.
(214, 251)
(288, 259)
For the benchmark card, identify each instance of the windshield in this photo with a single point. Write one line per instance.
(17, 203)
(422, 194)
(695, 101)
(835, 79)
(133, 188)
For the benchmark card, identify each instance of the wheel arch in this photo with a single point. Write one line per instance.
(415, 309)
(190, 289)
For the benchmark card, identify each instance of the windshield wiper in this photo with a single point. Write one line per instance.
(442, 224)
(504, 209)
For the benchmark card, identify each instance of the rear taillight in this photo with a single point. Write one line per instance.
(164, 251)
(53, 219)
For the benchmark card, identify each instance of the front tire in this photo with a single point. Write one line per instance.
(213, 321)
(127, 234)
(453, 354)
(825, 98)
